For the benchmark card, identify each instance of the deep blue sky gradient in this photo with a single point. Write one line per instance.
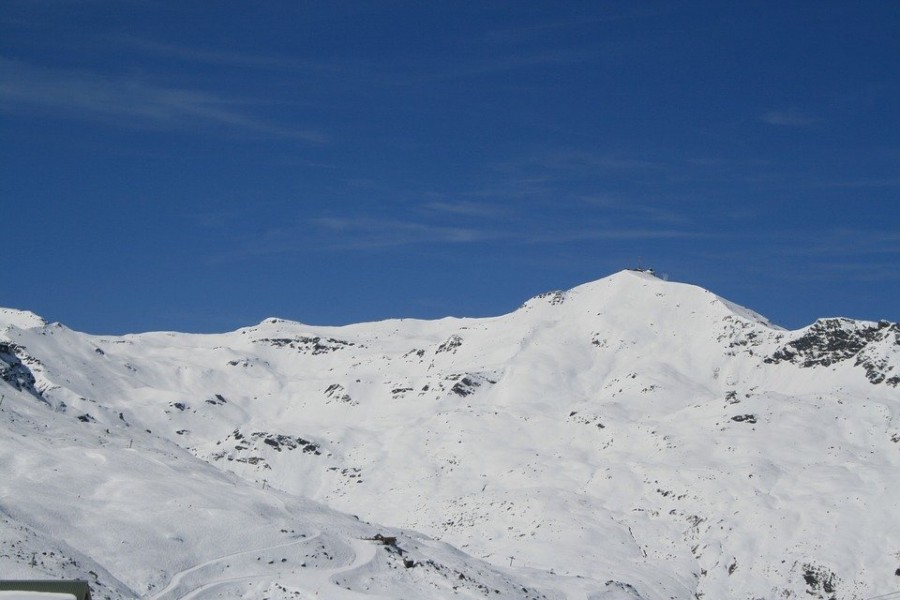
(200, 166)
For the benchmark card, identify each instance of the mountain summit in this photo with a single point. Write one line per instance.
(628, 438)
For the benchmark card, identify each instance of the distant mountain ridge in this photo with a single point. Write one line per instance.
(628, 438)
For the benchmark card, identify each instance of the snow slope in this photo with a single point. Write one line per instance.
(628, 438)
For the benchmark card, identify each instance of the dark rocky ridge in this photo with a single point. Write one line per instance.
(14, 371)
(830, 341)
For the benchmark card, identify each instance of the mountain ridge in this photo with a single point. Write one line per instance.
(603, 442)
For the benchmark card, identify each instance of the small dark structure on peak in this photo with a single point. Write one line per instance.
(80, 590)
(649, 271)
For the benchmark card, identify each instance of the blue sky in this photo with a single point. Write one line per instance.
(200, 166)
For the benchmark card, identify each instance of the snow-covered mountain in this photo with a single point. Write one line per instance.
(630, 438)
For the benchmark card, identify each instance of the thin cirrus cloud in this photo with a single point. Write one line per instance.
(228, 58)
(131, 102)
(365, 233)
(574, 160)
(849, 254)
(362, 233)
(823, 243)
(875, 182)
(203, 55)
(644, 212)
(546, 166)
(463, 208)
(347, 234)
(505, 64)
(359, 234)
(788, 118)
(364, 72)
(855, 242)
(612, 234)
(855, 271)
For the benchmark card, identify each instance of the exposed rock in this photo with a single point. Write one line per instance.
(14, 371)
(452, 343)
(830, 341)
(308, 344)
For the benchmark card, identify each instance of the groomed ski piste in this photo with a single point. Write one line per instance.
(631, 438)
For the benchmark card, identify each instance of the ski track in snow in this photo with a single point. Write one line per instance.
(359, 553)
(177, 579)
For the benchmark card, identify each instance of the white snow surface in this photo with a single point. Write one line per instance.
(630, 438)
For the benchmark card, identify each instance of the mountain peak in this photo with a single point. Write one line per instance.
(23, 319)
(640, 294)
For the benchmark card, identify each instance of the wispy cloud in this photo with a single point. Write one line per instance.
(821, 255)
(580, 160)
(367, 73)
(642, 211)
(512, 62)
(855, 242)
(788, 118)
(545, 169)
(348, 234)
(875, 182)
(853, 271)
(203, 55)
(130, 102)
(617, 234)
(463, 208)
(365, 233)
(224, 58)
(522, 33)
(219, 219)
(360, 233)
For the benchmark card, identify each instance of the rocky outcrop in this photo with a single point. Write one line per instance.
(14, 371)
(830, 341)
